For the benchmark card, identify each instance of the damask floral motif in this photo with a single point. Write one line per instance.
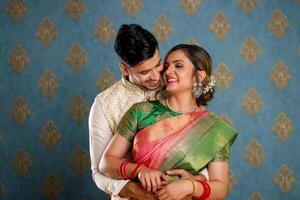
(18, 59)
(75, 8)
(190, 6)
(16, 9)
(48, 83)
(278, 24)
(104, 30)
(223, 77)
(162, 28)
(248, 5)
(76, 57)
(78, 108)
(254, 154)
(285, 179)
(80, 161)
(50, 135)
(20, 111)
(232, 181)
(22, 162)
(282, 127)
(193, 41)
(252, 102)
(250, 50)
(105, 79)
(133, 7)
(46, 32)
(52, 187)
(280, 75)
(256, 196)
(220, 26)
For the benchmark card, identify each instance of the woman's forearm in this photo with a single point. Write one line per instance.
(218, 190)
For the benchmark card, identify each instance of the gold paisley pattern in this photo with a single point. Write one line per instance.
(75, 8)
(280, 75)
(162, 28)
(254, 154)
(278, 24)
(80, 160)
(76, 57)
(133, 7)
(52, 187)
(16, 9)
(285, 179)
(50, 135)
(20, 111)
(104, 30)
(232, 182)
(190, 6)
(2, 191)
(78, 108)
(256, 196)
(223, 77)
(18, 59)
(22, 162)
(48, 83)
(46, 32)
(282, 127)
(220, 25)
(105, 79)
(252, 102)
(250, 50)
(248, 5)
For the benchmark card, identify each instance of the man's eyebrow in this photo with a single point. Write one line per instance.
(158, 63)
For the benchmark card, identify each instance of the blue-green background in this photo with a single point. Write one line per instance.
(99, 55)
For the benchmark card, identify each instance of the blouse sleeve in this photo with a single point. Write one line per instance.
(128, 125)
(223, 154)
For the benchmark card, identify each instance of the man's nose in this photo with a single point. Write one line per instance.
(155, 74)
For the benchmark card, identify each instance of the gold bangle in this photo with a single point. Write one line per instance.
(194, 187)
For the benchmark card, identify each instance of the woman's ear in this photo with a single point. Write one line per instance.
(201, 75)
(123, 69)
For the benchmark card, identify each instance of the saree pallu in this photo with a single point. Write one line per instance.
(189, 141)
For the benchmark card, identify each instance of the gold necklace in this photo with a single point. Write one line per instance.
(168, 105)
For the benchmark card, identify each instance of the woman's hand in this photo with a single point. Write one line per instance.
(151, 179)
(183, 174)
(176, 190)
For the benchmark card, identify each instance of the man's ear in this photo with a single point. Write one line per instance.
(123, 69)
(201, 75)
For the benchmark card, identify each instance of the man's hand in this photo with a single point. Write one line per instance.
(135, 191)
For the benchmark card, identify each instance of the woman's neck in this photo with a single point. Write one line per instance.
(182, 103)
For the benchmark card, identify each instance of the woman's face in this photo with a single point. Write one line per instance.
(179, 73)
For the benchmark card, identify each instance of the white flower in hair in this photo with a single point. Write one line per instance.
(209, 86)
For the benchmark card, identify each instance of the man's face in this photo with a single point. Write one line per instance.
(146, 74)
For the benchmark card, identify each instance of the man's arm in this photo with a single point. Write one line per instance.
(99, 137)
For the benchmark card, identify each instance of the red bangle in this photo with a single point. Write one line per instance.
(136, 170)
(206, 190)
(122, 171)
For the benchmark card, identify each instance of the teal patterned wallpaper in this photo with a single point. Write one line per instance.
(56, 56)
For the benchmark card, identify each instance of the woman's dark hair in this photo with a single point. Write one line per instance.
(202, 61)
(134, 44)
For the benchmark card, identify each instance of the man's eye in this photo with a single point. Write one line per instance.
(144, 72)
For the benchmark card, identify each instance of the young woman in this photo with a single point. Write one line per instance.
(175, 132)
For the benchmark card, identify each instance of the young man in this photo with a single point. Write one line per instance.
(140, 65)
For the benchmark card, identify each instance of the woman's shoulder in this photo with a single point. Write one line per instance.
(145, 106)
(223, 121)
